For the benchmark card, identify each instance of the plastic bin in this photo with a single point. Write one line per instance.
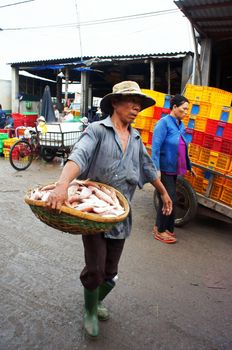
(212, 142)
(144, 136)
(217, 128)
(157, 112)
(198, 137)
(194, 152)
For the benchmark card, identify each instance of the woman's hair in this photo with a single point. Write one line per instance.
(177, 100)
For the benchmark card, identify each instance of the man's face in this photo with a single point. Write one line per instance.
(127, 108)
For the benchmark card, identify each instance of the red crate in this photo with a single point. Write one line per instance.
(216, 128)
(198, 137)
(228, 131)
(226, 146)
(30, 120)
(18, 119)
(212, 142)
(157, 112)
(150, 138)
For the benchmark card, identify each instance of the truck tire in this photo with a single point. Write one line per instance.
(186, 207)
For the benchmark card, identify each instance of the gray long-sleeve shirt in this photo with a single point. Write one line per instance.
(100, 157)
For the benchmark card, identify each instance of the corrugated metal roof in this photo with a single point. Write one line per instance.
(211, 18)
(79, 60)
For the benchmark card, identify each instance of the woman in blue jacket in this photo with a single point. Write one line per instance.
(170, 156)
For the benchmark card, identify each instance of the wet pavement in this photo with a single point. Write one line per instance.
(168, 297)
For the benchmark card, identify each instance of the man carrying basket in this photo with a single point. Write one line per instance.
(111, 152)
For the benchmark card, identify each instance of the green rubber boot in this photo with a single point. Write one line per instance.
(90, 314)
(104, 289)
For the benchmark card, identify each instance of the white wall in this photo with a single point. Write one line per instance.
(5, 94)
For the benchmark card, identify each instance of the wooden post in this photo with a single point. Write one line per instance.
(84, 93)
(152, 75)
(66, 85)
(205, 59)
(169, 79)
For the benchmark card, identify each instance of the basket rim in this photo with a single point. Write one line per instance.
(84, 215)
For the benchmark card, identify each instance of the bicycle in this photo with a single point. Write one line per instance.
(28, 148)
(34, 144)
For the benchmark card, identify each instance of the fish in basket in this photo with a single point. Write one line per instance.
(91, 207)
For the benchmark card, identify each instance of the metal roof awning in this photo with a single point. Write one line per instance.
(91, 60)
(211, 18)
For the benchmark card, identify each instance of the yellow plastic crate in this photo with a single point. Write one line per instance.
(216, 111)
(189, 178)
(194, 152)
(219, 180)
(159, 97)
(198, 184)
(216, 191)
(223, 162)
(226, 196)
(205, 109)
(144, 136)
(9, 142)
(200, 123)
(204, 156)
(143, 123)
(186, 120)
(193, 92)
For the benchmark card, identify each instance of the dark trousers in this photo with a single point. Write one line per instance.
(164, 222)
(101, 259)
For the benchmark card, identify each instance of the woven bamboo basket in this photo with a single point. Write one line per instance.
(74, 221)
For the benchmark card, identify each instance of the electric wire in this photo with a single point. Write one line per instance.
(16, 3)
(97, 22)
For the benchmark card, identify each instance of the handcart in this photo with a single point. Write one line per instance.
(58, 141)
(190, 203)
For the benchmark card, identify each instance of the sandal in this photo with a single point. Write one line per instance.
(155, 231)
(172, 234)
(164, 237)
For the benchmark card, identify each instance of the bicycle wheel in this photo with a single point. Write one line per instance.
(21, 155)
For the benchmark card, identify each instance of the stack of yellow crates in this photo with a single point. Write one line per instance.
(209, 130)
(7, 144)
(147, 118)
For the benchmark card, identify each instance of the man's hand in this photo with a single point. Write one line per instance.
(167, 204)
(58, 196)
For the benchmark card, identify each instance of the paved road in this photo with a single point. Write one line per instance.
(168, 297)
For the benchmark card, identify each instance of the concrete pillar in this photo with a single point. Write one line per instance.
(152, 75)
(205, 59)
(15, 90)
(84, 93)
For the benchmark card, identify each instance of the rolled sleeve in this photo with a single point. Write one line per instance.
(84, 148)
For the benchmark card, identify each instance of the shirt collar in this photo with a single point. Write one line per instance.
(108, 123)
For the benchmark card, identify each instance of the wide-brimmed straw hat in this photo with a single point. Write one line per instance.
(125, 88)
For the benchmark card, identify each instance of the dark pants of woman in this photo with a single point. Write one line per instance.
(101, 258)
(164, 222)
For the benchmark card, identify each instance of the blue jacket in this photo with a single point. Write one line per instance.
(165, 142)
